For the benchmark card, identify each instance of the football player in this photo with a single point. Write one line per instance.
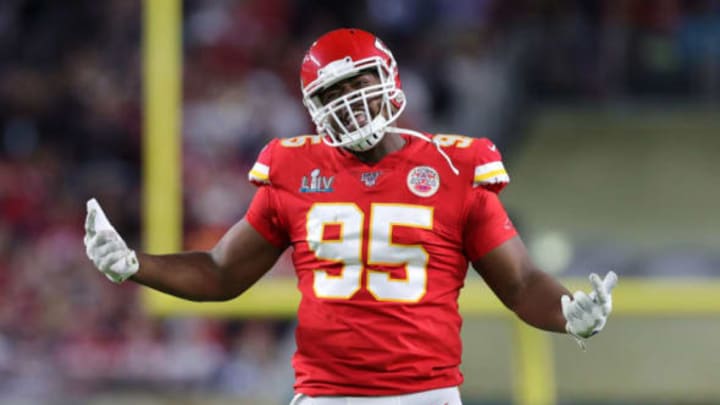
(382, 222)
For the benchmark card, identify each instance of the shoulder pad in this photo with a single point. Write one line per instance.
(259, 174)
(485, 158)
(490, 172)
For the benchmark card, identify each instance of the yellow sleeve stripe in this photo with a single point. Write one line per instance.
(489, 167)
(488, 176)
(493, 172)
(260, 173)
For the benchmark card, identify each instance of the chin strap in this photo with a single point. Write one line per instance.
(426, 139)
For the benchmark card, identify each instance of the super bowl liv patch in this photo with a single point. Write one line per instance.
(315, 183)
(423, 181)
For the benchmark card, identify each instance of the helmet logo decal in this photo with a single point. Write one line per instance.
(423, 181)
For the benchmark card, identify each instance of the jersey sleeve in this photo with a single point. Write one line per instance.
(262, 213)
(263, 216)
(490, 172)
(259, 173)
(487, 226)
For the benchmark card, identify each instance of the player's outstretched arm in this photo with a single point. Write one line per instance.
(526, 290)
(239, 259)
(539, 299)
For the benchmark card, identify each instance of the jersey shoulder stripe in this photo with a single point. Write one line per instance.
(490, 173)
(259, 173)
(481, 156)
(277, 156)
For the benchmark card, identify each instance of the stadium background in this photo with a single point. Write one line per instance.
(607, 113)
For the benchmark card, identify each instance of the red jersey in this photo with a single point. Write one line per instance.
(381, 252)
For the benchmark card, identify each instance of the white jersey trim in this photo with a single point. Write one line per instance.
(490, 173)
(259, 173)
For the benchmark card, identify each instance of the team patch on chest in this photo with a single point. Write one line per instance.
(423, 181)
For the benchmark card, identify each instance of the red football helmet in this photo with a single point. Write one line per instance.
(339, 55)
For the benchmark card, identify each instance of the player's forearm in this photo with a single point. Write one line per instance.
(192, 275)
(538, 302)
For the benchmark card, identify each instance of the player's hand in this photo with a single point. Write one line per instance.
(586, 314)
(105, 248)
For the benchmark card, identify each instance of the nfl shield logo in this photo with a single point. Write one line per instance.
(369, 178)
(423, 181)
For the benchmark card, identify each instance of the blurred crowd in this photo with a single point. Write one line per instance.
(71, 113)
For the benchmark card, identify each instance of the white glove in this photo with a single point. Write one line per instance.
(105, 248)
(586, 314)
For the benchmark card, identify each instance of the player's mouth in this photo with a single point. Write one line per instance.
(360, 117)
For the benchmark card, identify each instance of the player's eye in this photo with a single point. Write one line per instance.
(362, 81)
(329, 96)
